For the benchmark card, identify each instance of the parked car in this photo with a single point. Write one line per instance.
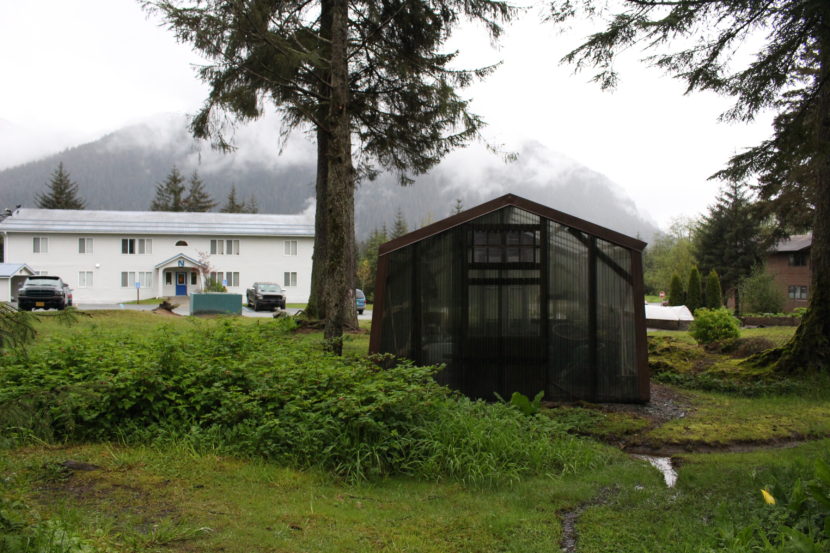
(266, 294)
(360, 300)
(45, 292)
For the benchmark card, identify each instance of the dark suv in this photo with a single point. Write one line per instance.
(266, 294)
(43, 291)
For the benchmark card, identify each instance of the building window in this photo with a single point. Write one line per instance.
(289, 279)
(144, 279)
(40, 244)
(136, 245)
(798, 259)
(217, 277)
(181, 243)
(797, 292)
(168, 278)
(233, 278)
(224, 247)
(290, 247)
(84, 245)
(505, 244)
(85, 279)
(193, 278)
(127, 279)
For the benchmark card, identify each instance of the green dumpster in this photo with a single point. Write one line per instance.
(215, 302)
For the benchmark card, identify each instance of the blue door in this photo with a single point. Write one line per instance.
(181, 284)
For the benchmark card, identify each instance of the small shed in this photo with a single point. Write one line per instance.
(12, 277)
(513, 296)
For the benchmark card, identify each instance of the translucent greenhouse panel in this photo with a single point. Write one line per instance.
(570, 374)
(616, 331)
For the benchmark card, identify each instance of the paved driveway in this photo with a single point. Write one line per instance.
(185, 309)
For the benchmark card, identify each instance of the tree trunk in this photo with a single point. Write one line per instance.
(339, 264)
(314, 308)
(809, 350)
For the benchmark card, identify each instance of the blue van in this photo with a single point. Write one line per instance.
(360, 300)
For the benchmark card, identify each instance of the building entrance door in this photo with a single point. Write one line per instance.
(181, 284)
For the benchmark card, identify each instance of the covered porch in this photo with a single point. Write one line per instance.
(12, 277)
(179, 275)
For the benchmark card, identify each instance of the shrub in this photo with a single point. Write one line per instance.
(252, 390)
(693, 291)
(714, 325)
(759, 294)
(714, 292)
(676, 295)
(212, 285)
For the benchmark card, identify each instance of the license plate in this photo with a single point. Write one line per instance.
(40, 304)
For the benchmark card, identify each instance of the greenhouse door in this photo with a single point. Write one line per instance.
(504, 349)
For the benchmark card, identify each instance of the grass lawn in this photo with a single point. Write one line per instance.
(173, 498)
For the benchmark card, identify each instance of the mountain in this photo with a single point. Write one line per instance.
(120, 171)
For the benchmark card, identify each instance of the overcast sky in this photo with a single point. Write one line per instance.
(75, 70)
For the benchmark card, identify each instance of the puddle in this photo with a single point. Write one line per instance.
(664, 465)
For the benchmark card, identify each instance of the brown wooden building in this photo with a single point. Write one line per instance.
(515, 296)
(789, 265)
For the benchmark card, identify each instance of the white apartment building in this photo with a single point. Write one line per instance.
(111, 256)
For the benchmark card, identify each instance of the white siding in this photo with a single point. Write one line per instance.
(260, 259)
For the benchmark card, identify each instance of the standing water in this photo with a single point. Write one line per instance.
(664, 465)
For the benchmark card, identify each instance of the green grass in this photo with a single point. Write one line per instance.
(716, 495)
(144, 499)
(255, 506)
(146, 301)
(721, 419)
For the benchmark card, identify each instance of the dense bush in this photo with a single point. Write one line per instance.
(760, 294)
(694, 292)
(714, 325)
(714, 293)
(676, 294)
(252, 390)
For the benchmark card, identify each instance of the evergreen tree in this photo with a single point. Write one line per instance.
(372, 70)
(399, 227)
(788, 71)
(231, 204)
(730, 239)
(458, 207)
(693, 291)
(714, 293)
(170, 193)
(251, 206)
(197, 198)
(62, 193)
(676, 296)
(368, 261)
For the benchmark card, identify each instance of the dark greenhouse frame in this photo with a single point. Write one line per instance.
(469, 292)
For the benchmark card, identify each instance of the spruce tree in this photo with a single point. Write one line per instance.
(197, 198)
(170, 193)
(458, 207)
(399, 227)
(61, 193)
(731, 238)
(374, 71)
(786, 46)
(251, 206)
(676, 296)
(714, 293)
(232, 205)
(693, 291)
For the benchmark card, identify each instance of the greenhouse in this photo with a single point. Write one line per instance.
(512, 296)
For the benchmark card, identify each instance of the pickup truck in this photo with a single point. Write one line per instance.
(44, 291)
(265, 294)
